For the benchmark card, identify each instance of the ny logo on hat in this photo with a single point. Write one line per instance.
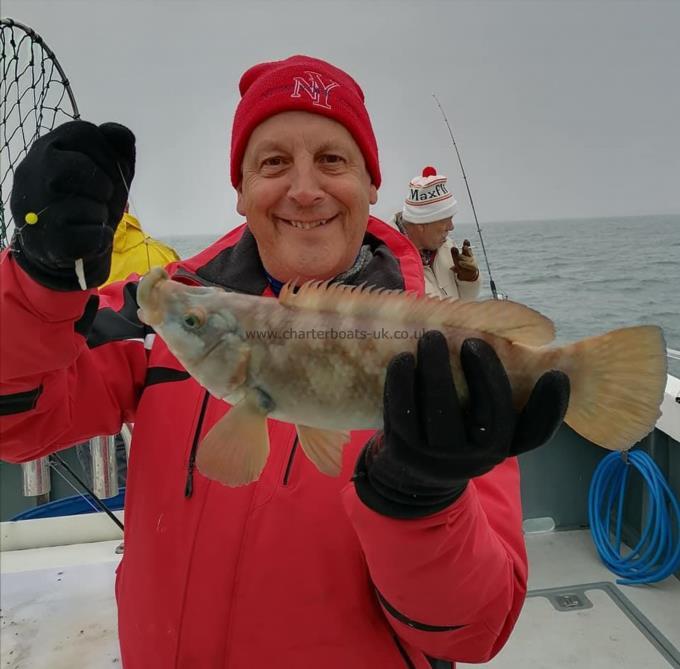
(315, 88)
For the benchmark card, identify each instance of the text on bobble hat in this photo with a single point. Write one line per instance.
(432, 189)
(437, 191)
(316, 88)
(429, 198)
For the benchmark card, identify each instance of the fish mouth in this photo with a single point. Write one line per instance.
(149, 296)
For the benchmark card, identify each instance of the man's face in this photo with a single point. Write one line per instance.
(305, 192)
(429, 236)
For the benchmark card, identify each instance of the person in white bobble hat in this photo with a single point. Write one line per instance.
(426, 219)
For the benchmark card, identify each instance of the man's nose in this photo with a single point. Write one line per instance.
(305, 188)
(449, 225)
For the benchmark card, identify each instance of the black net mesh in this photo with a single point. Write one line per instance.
(35, 96)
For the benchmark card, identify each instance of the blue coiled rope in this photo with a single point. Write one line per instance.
(657, 554)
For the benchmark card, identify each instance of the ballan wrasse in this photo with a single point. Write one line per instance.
(317, 357)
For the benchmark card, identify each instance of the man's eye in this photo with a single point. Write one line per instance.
(331, 159)
(273, 161)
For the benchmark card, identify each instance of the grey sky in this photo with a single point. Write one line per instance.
(560, 109)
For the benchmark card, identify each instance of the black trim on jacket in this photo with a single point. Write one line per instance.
(189, 484)
(404, 655)
(84, 324)
(111, 325)
(19, 402)
(156, 375)
(422, 627)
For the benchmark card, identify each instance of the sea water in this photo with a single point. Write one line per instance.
(588, 276)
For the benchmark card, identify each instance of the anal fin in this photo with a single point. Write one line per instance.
(323, 448)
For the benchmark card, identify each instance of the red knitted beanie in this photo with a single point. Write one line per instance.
(301, 83)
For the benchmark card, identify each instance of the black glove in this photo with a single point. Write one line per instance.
(430, 447)
(76, 179)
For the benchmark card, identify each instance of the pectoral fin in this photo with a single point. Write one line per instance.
(323, 448)
(235, 450)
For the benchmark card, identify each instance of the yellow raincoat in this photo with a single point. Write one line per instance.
(134, 251)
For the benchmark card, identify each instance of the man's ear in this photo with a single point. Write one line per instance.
(240, 205)
(373, 194)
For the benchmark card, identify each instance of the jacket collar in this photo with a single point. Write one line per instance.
(236, 266)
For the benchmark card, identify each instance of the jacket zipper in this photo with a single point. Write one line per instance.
(291, 457)
(189, 486)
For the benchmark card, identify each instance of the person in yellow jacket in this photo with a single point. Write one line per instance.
(135, 251)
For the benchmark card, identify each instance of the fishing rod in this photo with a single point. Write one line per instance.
(492, 284)
(97, 502)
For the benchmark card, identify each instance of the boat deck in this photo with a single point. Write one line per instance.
(58, 611)
(577, 616)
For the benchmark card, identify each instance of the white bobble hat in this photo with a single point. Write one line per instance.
(429, 198)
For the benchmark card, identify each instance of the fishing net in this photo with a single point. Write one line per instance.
(35, 96)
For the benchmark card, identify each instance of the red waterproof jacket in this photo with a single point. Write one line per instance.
(290, 572)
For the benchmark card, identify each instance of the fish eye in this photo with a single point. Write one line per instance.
(194, 319)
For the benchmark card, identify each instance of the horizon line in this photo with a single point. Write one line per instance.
(472, 222)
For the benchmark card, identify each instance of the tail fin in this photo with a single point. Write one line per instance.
(617, 385)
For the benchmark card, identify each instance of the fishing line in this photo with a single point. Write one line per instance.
(99, 504)
(70, 484)
(132, 207)
(492, 284)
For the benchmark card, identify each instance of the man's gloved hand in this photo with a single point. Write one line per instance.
(430, 447)
(76, 179)
(464, 263)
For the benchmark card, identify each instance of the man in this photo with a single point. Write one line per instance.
(415, 551)
(426, 219)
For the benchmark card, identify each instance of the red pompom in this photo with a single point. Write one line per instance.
(429, 172)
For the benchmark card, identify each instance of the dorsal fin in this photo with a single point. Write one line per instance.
(511, 320)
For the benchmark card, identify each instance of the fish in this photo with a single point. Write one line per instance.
(317, 357)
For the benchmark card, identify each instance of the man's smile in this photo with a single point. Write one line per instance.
(306, 224)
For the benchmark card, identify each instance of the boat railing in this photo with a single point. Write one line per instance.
(36, 479)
